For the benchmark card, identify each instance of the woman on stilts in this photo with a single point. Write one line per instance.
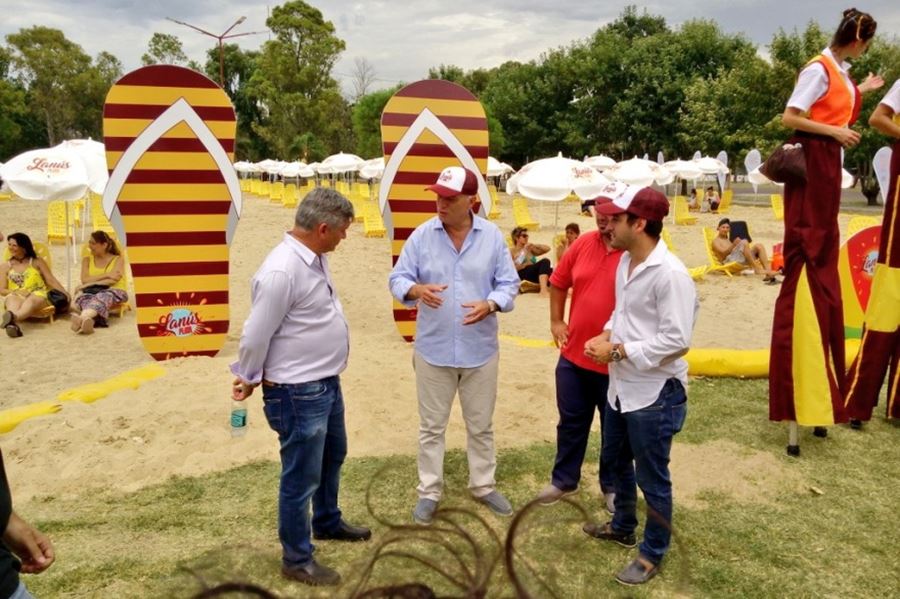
(806, 376)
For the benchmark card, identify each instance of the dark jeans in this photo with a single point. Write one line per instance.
(532, 272)
(637, 446)
(579, 392)
(309, 420)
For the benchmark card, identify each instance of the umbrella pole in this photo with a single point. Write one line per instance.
(69, 238)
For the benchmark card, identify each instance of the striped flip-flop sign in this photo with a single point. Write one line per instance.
(426, 127)
(174, 199)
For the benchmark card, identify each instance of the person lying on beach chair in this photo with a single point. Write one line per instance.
(742, 251)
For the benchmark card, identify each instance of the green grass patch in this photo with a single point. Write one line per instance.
(831, 532)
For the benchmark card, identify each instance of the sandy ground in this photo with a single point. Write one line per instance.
(177, 424)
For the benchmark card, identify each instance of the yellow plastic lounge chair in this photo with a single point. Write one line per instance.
(373, 224)
(289, 197)
(522, 215)
(777, 205)
(858, 223)
(245, 185)
(494, 214)
(668, 239)
(43, 253)
(56, 222)
(729, 268)
(697, 272)
(725, 204)
(276, 191)
(5, 197)
(120, 308)
(682, 214)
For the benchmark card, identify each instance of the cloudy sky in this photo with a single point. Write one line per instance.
(402, 39)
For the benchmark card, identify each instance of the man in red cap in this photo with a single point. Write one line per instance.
(643, 342)
(588, 268)
(457, 267)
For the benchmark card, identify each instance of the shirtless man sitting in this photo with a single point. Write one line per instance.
(742, 251)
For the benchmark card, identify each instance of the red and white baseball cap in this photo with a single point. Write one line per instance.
(609, 191)
(454, 181)
(643, 202)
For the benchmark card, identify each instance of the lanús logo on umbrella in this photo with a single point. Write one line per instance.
(45, 165)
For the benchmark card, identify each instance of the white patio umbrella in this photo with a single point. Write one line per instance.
(496, 168)
(340, 163)
(372, 169)
(751, 163)
(292, 169)
(93, 154)
(553, 179)
(640, 172)
(684, 169)
(601, 162)
(882, 165)
(711, 166)
(49, 174)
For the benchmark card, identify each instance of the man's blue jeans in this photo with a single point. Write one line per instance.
(579, 392)
(309, 420)
(636, 445)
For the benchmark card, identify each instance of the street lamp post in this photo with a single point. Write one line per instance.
(220, 38)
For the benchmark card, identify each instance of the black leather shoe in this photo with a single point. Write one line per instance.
(313, 573)
(345, 532)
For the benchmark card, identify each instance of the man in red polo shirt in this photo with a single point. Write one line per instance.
(588, 268)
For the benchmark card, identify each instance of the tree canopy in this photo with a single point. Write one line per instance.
(635, 86)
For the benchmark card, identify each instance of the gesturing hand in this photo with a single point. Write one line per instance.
(870, 83)
(478, 310)
(429, 293)
(29, 544)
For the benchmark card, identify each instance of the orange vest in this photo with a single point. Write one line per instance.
(836, 107)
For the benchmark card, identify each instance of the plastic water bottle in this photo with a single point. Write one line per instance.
(238, 418)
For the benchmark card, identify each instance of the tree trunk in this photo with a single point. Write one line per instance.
(868, 184)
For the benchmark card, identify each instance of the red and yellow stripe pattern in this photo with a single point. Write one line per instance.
(174, 205)
(409, 203)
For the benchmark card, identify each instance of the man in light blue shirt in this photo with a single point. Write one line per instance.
(458, 269)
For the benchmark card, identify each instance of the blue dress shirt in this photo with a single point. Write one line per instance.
(481, 270)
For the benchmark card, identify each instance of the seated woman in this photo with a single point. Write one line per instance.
(24, 280)
(711, 201)
(693, 200)
(102, 284)
(572, 233)
(534, 273)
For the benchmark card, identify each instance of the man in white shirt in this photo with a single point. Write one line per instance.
(644, 341)
(295, 343)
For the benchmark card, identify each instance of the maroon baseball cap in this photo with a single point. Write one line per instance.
(454, 181)
(643, 202)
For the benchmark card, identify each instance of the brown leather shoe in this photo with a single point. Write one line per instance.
(345, 532)
(313, 573)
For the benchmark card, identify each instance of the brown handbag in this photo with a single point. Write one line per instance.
(787, 164)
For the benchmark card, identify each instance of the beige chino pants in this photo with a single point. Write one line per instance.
(436, 387)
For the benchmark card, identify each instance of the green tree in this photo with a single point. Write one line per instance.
(293, 83)
(239, 66)
(367, 121)
(164, 48)
(91, 88)
(50, 67)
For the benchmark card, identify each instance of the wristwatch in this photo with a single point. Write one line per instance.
(615, 354)
(493, 306)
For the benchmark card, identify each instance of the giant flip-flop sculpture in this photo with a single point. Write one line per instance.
(174, 200)
(425, 127)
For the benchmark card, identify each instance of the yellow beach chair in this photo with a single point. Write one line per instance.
(715, 265)
(276, 191)
(682, 214)
(667, 237)
(777, 205)
(522, 215)
(725, 204)
(289, 197)
(494, 213)
(373, 224)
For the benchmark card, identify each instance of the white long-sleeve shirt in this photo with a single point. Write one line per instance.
(654, 318)
(296, 331)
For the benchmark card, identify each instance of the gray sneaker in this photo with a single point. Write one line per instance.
(551, 494)
(497, 503)
(424, 511)
(637, 572)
